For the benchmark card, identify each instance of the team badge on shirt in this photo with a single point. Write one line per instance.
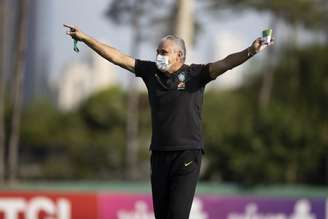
(181, 81)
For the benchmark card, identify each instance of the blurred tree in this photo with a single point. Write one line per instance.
(99, 142)
(105, 109)
(324, 5)
(287, 142)
(2, 92)
(40, 129)
(312, 14)
(117, 12)
(17, 89)
(184, 21)
(83, 144)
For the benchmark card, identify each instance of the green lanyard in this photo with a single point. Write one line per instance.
(75, 46)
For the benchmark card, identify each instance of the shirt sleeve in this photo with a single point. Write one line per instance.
(203, 73)
(142, 68)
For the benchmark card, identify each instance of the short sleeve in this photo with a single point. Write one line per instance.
(202, 71)
(142, 68)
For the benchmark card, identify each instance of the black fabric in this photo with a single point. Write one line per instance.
(175, 106)
(174, 175)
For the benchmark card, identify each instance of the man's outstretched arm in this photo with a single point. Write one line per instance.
(111, 54)
(235, 59)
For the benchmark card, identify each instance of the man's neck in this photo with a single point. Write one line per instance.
(174, 68)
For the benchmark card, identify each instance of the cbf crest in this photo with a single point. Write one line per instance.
(181, 81)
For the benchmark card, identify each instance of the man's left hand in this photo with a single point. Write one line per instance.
(258, 45)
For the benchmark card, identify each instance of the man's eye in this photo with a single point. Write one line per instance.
(161, 52)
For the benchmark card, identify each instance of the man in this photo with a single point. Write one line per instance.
(175, 92)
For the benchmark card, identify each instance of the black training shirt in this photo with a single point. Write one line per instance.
(176, 105)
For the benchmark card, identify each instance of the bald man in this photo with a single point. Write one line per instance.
(175, 92)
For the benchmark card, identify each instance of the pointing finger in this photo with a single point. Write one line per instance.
(69, 26)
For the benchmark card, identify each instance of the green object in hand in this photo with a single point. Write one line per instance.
(267, 32)
(267, 35)
(75, 46)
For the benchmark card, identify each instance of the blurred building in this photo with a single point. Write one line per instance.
(81, 79)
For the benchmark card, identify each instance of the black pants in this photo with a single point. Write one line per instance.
(174, 175)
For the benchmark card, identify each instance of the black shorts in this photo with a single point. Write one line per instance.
(174, 176)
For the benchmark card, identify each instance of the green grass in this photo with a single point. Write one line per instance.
(144, 187)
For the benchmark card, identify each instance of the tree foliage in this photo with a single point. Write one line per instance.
(85, 143)
(310, 13)
(287, 142)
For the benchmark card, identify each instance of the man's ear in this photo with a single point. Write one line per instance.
(180, 55)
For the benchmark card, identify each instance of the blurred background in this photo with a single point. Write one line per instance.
(74, 117)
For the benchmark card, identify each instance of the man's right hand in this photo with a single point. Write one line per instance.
(111, 54)
(75, 33)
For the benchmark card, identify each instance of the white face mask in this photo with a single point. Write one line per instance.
(162, 63)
